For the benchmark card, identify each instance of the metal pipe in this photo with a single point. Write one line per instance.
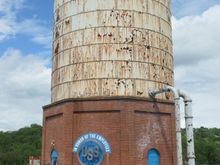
(189, 127)
(177, 113)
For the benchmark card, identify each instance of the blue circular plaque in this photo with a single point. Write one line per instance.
(90, 153)
(90, 148)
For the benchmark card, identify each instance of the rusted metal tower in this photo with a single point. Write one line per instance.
(106, 55)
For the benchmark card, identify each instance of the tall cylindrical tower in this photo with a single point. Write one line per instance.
(111, 48)
(107, 54)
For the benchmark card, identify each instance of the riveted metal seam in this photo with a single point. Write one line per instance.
(99, 61)
(97, 27)
(108, 78)
(63, 50)
(61, 6)
(115, 10)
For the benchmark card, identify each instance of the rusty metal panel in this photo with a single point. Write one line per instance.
(54, 62)
(67, 9)
(119, 48)
(87, 88)
(65, 1)
(125, 4)
(67, 25)
(63, 90)
(86, 53)
(76, 72)
(58, 31)
(164, 2)
(93, 5)
(57, 4)
(140, 5)
(165, 28)
(62, 75)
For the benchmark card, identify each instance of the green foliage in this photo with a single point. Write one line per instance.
(17, 146)
(207, 145)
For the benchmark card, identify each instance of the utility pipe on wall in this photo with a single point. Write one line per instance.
(189, 127)
(177, 112)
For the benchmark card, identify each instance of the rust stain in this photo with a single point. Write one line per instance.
(57, 48)
(111, 50)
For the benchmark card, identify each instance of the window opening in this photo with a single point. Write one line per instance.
(153, 157)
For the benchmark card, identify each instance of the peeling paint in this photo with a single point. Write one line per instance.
(119, 48)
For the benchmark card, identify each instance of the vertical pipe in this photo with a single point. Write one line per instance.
(178, 123)
(189, 133)
(189, 128)
(178, 132)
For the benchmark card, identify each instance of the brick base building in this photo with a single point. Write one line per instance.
(113, 51)
(132, 127)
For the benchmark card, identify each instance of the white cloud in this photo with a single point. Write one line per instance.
(8, 11)
(181, 8)
(38, 30)
(196, 37)
(197, 58)
(25, 87)
(10, 6)
(6, 29)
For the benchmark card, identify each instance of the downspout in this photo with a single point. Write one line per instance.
(189, 127)
(177, 113)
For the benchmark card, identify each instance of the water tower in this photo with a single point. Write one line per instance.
(106, 55)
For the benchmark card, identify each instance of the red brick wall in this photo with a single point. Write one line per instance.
(131, 127)
(106, 124)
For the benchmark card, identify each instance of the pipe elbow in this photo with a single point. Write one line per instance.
(173, 90)
(165, 89)
(185, 96)
(153, 93)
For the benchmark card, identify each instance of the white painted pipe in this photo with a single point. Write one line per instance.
(189, 127)
(178, 123)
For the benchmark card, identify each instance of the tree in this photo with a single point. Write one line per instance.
(17, 146)
(207, 145)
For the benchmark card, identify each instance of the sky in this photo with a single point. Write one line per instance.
(25, 59)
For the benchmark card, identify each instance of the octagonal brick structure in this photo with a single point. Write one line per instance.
(107, 54)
